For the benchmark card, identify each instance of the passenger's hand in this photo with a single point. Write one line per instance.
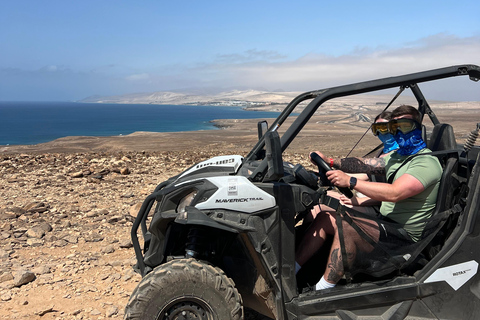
(346, 201)
(321, 156)
(339, 178)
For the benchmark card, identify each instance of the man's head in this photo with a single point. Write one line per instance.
(406, 111)
(407, 130)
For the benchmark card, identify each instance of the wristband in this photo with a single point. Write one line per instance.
(331, 162)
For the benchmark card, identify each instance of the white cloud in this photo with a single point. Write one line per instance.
(250, 69)
(315, 71)
(138, 77)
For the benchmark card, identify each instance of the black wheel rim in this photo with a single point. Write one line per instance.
(187, 308)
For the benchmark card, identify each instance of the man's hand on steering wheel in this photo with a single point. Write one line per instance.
(338, 178)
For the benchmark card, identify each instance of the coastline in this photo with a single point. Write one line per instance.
(336, 127)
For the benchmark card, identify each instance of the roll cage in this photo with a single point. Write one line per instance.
(319, 97)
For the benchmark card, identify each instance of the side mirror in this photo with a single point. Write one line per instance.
(262, 127)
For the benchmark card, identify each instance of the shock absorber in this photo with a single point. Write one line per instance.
(197, 243)
(472, 138)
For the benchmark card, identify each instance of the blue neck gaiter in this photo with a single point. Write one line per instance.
(409, 143)
(389, 143)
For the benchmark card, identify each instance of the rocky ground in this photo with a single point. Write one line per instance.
(65, 223)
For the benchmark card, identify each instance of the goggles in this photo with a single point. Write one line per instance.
(404, 125)
(380, 128)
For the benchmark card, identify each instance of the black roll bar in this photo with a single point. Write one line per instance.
(321, 96)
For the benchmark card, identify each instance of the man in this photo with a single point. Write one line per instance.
(408, 200)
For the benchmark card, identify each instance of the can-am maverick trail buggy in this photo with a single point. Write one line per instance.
(221, 240)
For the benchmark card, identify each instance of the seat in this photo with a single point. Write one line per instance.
(442, 138)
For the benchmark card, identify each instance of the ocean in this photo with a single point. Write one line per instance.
(24, 123)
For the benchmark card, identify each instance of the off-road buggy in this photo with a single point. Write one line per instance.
(221, 239)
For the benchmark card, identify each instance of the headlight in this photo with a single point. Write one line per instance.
(186, 201)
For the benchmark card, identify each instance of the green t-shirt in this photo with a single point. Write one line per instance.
(412, 212)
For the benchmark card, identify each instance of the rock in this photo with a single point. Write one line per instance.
(111, 311)
(71, 238)
(7, 215)
(108, 249)
(78, 174)
(22, 277)
(6, 276)
(35, 207)
(45, 226)
(4, 255)
(60, 243)
(40, 270)
(6, 296)
(127, 243)
(34, 242)
(35, 232)
(124, 171)
(17, 210)
(95, 312)
(44, 311)
(114, 219)
(93, 238)
(134, 209)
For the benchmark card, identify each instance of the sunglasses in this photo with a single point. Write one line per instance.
(404, 125)
(380, 128)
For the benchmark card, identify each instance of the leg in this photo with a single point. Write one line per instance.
(323, 225)
(353, 242)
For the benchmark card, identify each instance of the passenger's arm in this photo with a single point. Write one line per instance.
(363, 201)
(375, 166)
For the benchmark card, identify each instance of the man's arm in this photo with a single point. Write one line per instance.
(402, 188)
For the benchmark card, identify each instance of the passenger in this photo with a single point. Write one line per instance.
(408, 201)
(361, 202)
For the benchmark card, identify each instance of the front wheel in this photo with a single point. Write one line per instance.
(185, 289)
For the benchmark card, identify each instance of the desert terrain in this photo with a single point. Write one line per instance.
(67, 206)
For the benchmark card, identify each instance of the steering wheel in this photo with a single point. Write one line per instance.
(323, 167)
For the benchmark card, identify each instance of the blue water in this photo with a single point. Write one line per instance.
(36, 122)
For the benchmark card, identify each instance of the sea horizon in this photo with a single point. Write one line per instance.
(34, 122)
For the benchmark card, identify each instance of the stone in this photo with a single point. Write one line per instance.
(6, 276)
(35, 207)
(127, 243)
(40, 270)
(45, 226)
(108, 249)
(6, 296)
(35, 232)
(22, 277)
(4, 254)
(34, 242)
(124, 171)
(78, 174)
(111, 311)
(71, 238)
(134, 209)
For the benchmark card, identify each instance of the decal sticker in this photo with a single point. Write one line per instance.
(456, 275)
(232, 187)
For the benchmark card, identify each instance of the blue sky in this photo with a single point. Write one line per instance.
(68, 50)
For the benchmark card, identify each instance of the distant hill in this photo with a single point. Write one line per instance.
(276, 101)
(242, 98)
